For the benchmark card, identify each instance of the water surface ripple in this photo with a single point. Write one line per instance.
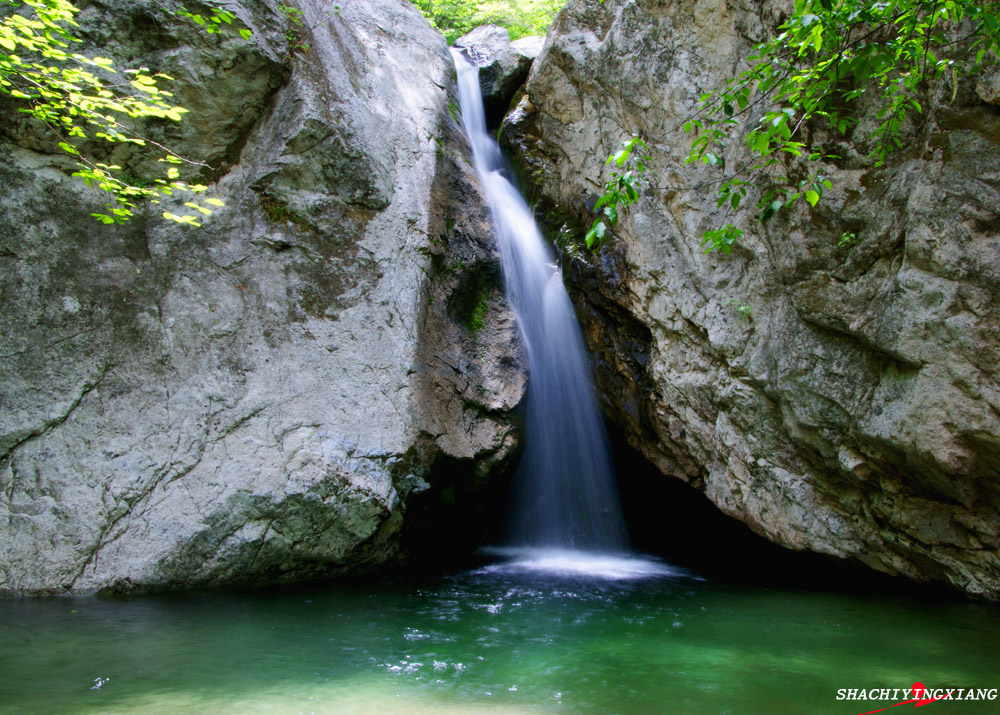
(492, 638)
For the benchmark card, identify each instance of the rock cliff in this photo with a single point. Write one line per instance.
(319, 379)
(503, 66)
(839, 399)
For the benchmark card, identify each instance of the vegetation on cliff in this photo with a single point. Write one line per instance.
(828, 65)
(455, 18)
(80, 99)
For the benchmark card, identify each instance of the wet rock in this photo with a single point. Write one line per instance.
(503, 65)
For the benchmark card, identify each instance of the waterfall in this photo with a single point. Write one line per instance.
(564, 493)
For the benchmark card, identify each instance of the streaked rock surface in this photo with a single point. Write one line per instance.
(321, 379)
(840, 399)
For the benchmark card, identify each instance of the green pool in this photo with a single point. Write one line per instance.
(509, 635)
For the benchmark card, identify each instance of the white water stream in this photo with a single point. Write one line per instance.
(564, 492)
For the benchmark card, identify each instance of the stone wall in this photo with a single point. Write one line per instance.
(839, 399)
(294, 389)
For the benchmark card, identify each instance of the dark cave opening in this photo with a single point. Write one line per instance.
(672, 520)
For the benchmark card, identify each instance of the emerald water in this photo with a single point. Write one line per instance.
(638, 637)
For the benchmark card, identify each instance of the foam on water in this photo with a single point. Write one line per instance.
(566, 562)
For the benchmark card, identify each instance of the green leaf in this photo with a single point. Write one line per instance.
(245, 34)
(812, 197)
(196, 207)
(186, 219)
(595, 234)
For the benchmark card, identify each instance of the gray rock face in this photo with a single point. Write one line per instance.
(840, 399)
(503, 65)
(320, 379)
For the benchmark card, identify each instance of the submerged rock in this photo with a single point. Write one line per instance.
(838, 398)
(321, 379)
(503, 65)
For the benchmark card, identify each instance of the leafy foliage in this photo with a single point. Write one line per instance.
(83, 98)
(455, 18)
(742, 307)
(620, 192)
(826, 58)
(213, 22)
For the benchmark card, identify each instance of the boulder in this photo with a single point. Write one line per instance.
(321, 379)
(503, 65)
(837, 395)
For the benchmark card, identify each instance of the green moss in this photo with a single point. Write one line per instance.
(278, 212)
(475, 323)
(471, 301)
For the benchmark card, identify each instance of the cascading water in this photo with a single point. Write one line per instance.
(564, 492)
